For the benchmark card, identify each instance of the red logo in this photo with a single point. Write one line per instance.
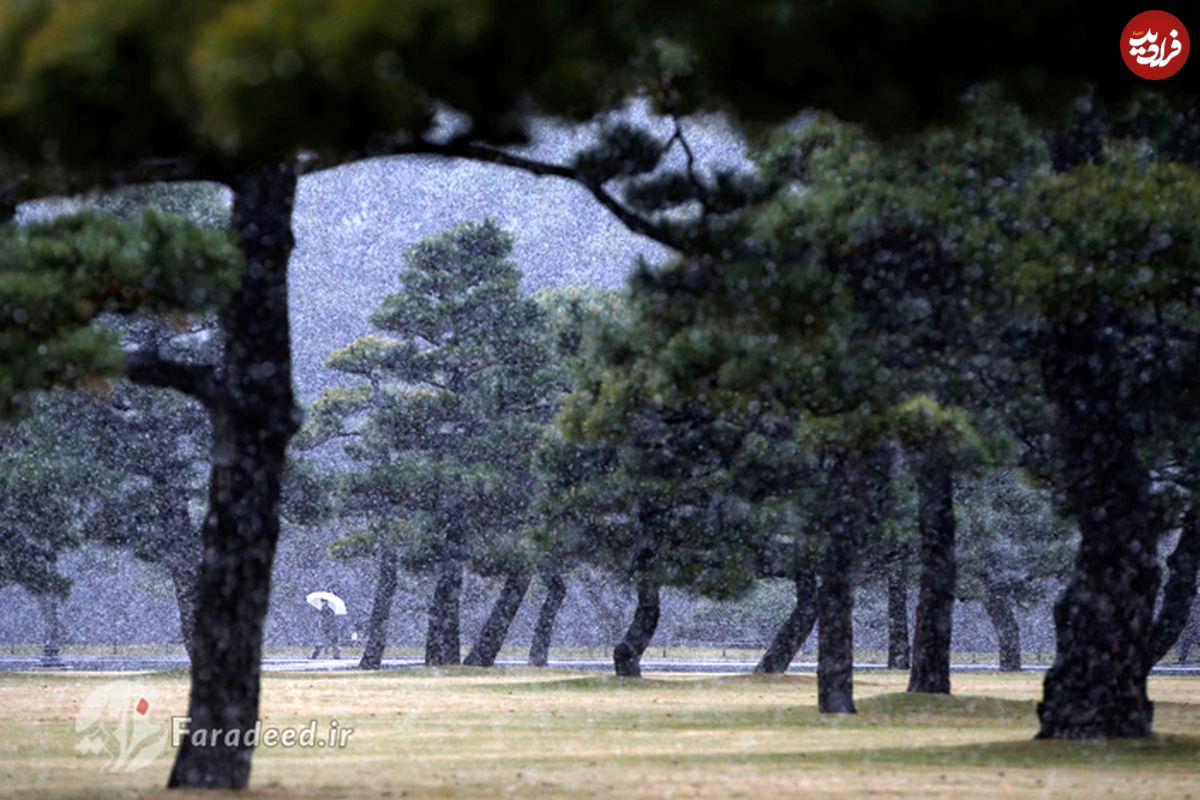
(1155, 45)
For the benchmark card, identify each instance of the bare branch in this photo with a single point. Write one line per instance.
(148, 368)
(492, 155)
(701, 189)
(183, 169)
(36, 184)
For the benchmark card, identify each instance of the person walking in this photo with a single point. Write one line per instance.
(329, 632)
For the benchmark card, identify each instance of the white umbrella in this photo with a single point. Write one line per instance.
(336, 603)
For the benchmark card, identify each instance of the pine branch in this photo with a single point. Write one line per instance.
(166, 169)
(456, 148)
(148, 368)
(701, 189)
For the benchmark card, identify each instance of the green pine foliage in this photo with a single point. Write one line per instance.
(651, 488)
(58, 277)
(232, 82)
(53, 490)
(1010, 538)
(455, 397)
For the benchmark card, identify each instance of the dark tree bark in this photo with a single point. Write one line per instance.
(53, 630)
(1179, 590)
(897, 611)
(183, 562)
(935, 603)
(835, 597)
(491, 636)
(556, 592)
(835, 637)
(627, 656)
(381, 611)
(441, 640)
(184, 581)
(795, 629)
(1096, 687)
(254, 415)
(10, 198)
(1008, 634)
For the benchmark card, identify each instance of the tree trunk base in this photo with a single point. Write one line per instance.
(835, 597)
(795, 629)
(1104, 618)
(935, 601)
(491, 637)
(442, 647)
(381, 611)
(1082, 721)
(626, 662)
(50, 658)
(837, 701)
(928, 684)
(627, 656)
(210, 767)
(556, 591)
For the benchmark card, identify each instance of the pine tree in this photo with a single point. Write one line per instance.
(455, 400)
(969, 269)
(1012, 546)
(251, 94)
(650, 488)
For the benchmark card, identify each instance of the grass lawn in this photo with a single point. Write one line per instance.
(546, 733)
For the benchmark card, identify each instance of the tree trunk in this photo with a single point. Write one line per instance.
(183, 563)
(184, 581)
(1179, 590)
(897, 611)
(381, 610)
(9, 194)
(556, 591)
(795, 629)
(835, 642)
(935, 603)
(441, 640)
(491, 637)
(1096, 688)
(627, 656)
(1008, 634)
(835, 598)
(254, 415)
(53, 630)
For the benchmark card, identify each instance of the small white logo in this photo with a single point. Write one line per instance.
(116, 720)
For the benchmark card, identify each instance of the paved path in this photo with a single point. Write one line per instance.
(291, 664)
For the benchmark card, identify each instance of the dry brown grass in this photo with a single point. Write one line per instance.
(494, 733)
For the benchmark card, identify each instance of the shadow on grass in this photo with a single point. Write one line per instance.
(454, 675)
(593, 682)
(1158, 750)
(589, 682)
(905, 704)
